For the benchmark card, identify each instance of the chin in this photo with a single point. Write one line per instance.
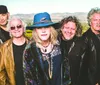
(69, 38)
(44, 39)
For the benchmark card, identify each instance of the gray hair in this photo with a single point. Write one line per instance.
(16, 18)
(91, 12)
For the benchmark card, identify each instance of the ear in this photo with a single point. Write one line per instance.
(61, 29)
(90, 23)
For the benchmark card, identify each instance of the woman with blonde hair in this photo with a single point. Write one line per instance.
(42, 56)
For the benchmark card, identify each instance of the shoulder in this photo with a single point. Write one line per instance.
(26, 39)
(78, 41)
(87, 33)
(29, 44)
(6, 44)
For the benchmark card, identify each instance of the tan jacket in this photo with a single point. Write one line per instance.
(7, 65)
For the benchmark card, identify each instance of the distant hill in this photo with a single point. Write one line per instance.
(82, 16)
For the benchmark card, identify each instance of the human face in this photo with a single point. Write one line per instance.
(68, 30)
(44, 33)
(16, 28)
(95, 23)
(4, 19)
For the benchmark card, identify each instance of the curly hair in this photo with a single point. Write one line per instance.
(75, 20)
(91, 12)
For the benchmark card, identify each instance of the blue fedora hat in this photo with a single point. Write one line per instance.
(42, 20)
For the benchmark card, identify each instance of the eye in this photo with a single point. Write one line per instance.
(12, 28)
(72, 28)
(19, 26)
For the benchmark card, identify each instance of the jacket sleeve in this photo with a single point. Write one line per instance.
(2, 67)
(29, 68)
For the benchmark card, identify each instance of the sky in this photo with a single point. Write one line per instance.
(51, 6)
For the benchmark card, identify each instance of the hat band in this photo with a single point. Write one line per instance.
(44, 21)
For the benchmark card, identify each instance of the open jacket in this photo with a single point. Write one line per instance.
(3, 38)
(90, 69)
(73, 52)
(34, 68)
(7, 65)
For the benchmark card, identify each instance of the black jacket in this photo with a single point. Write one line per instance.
(90, 69)
(4, 35)
(73, 51)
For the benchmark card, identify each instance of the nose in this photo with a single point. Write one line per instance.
(43, 29)
(16, 28)
(69, 30)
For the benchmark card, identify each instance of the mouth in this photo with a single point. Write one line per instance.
(43, 34)
(68, 34)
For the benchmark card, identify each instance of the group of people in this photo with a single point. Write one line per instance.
(51, 57)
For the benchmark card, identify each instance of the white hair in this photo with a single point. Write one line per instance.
(16, 18)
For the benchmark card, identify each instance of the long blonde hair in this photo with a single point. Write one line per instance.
(53, 36)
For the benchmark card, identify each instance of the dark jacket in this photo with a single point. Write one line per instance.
(4, 35)
(72, 51)
(90, 69)
(35, 69)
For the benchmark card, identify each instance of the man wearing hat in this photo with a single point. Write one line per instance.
(4, 16)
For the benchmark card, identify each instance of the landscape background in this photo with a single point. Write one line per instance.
(57, 8)
(82, 16)
(56, 17)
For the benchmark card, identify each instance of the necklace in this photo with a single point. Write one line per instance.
(47, 49)
(47, 56)
(46, 53)
(50, 63)
(50, 68)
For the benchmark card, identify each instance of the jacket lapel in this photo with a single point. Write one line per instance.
(36, 54)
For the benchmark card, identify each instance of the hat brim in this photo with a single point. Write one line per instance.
(55, 25)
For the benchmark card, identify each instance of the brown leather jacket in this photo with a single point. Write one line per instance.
(7, 65)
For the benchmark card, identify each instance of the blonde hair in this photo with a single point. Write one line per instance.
(53, 36)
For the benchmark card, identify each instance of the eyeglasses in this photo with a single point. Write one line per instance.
(14, 27)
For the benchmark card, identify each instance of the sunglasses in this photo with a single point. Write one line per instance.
(14, 27)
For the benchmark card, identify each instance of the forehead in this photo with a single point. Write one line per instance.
(4, 14)
(70, 23)
(15, 21)
(96, 15)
